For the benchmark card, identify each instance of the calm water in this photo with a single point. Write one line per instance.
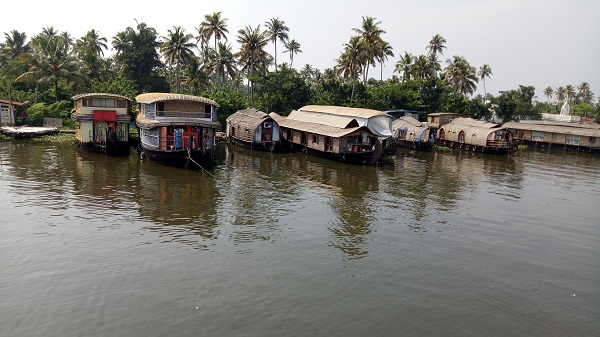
(432, 244)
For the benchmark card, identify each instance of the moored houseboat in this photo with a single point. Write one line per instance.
(337, 136)
(412, 134)
(478, 136)
(436, 119)
(552, 134)
(177, 130)
(102, 122)
(253, 129)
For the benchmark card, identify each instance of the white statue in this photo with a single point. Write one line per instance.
(566, 109)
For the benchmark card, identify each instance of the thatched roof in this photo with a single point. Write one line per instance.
(476, 132)
(248, 120)
(589, 130)
(321, 129)
(99, 94)
(321, 118)
(343, 111)
(161, 96)
(411, 125)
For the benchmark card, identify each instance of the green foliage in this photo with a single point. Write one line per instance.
(61, 109)
(230, 101)
(522, 147)
(281, 92)
(583, 109)
(119, 85)
(517, 104)
(393, 96)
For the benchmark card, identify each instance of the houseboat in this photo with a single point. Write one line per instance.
(348, 135)
(478, 136)
(177, 130)
(412, 134)
(395, 114)
(554, 134)
(102, 122)
(436, 119)
(253, 129)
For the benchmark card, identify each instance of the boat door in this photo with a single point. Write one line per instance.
(461, 137)
(267, 131)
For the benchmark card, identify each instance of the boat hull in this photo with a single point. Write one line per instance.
(420, 146)
(500, 151)
(111, 148)
(357, 158)
(194, 159)
(561, 147)
(262, 146)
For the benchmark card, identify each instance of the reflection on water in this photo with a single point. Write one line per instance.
(288, 243)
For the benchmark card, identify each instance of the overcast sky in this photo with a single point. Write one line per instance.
(539, 42)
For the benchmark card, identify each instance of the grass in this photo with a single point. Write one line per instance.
(56, 138)
(522, 147)
(440, 148)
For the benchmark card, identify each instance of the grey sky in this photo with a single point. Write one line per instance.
(539, 43)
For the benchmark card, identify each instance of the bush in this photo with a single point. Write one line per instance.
(62, 109)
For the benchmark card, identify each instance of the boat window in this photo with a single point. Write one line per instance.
(328, 144)
(315, 139)
(537, 136)
(555, 136)
(573, 139)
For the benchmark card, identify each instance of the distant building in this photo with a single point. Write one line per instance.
(7, 108)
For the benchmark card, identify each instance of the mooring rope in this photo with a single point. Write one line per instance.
(200, 166)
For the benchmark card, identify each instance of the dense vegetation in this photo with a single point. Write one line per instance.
(47, 70)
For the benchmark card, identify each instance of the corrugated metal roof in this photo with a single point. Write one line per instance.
(161, 96)
(343, 111)
(99, 94)
(320, 129)
(588, 130)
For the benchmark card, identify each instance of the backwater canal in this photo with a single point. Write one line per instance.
(431, 244)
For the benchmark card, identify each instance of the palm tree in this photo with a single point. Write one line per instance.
(370, 35)
(195, 75)
(422, 67)
(584, 93)
(252, 56)
(570, 92)
(548, 93)
(213, 25)
(404, 66)
(484, 71)
(92, 43)
(50, 62)
(15, 44)
(277, 30)
(307, 72)
(461, 75)
(176, 48)
(437, 45)
(292, 47)
(560, 94)
(384, 49)
(350, 63)
(225, 63)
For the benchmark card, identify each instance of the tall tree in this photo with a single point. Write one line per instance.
(252, 56)
(560, 94)
(213, 26)
(404, 66)
(384, 49)
(484, 71)
(91, 43)
(423, 68)
(461, 75)
(137, 55)
(195, 75)
(176, 48)
(226, 63)
(52, 61)
(584, 93)
(570, 92)
(436, 45)
(277, 30)
(15, 44)
(370, 35)
(350, 63)
(548, 92)
(292, 47)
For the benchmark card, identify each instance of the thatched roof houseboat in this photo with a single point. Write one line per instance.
(253, 129)
(436, 119)
(102, 122)
(575, 136)
(474, 135)
(177, 129)
(412, 134)
(349, 135)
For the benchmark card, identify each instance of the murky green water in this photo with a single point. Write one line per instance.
(432, 244)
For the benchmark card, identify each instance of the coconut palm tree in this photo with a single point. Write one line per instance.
(92, 43)
(584, 93)
(350, 63)
(213, 25)
(370, 35)
(404, 66)
(15, 44)
(252, 56)
(436, 45)
(52, 61)
(195, 75)
(484, 71)
(277, 30)
(548, 93)
(560, 94)
(292, 47)
(422, 67)
(225, 63)
(176, 49)
(570, 92)
(461, 75)
(384, 49)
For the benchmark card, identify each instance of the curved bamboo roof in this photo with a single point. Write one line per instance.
(99, 94)
(321, 129)
(336, 121)
(476, 132)
(410, 124)
(152, 97)
(144, 122)
(344, 111)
